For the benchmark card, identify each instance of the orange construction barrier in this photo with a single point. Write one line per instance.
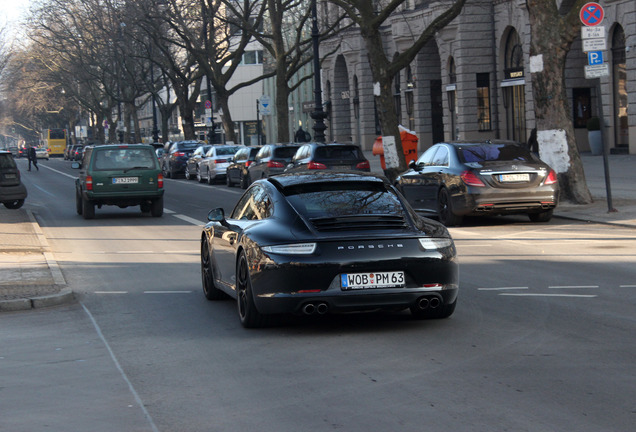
(409, 146)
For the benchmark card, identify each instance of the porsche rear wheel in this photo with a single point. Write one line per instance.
(250, 316)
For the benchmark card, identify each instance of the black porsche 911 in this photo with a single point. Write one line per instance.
(457, 179)
(327, 242)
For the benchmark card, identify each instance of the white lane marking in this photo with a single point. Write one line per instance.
(548, 295)
(627, 286)
(573, 286)
(168, 211)
(59, 172)
(502, 288)
(111, 292)
(188, 219)
(121, 370)
(167, 292)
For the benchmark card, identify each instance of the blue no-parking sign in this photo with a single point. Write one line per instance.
(592, 14)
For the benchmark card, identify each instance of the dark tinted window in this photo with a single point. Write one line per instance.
(338, 152)
(319, 200)
(187, 145)
(57, 133)
(493, 152)
(6, 161)
(285, 152)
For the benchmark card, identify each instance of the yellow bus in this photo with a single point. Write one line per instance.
(55, 141)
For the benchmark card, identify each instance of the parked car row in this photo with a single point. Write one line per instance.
(242, 165)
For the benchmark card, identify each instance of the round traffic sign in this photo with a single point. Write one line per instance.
(208, 104)
(592, 14)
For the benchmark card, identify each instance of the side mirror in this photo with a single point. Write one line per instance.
(216, 215)
(76, 165)
(413, 165)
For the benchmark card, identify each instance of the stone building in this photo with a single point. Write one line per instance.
(473, 80)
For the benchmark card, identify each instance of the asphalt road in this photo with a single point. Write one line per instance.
(541, 339)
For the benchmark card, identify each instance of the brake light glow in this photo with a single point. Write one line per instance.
(551, 178)
(316, 165)
(160, 181)
(89, 183)
(179, 154)
(248, 163)
(274, 164)
(364, 165)
(471, 179)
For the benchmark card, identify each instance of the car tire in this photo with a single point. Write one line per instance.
(228, 181)
(88, 209)
(156, 208)
(210, 291)
(15, 204)
(544, 216)
(199, 178)
(445, 209)
(248, 313)
(78, 202)
(210, 178)
(187, 174)
(166, 171)
(245, 181)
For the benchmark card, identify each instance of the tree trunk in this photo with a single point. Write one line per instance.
(555, 130)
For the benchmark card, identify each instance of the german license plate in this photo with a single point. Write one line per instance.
(10, 176)
(125, 180)
(514, 177)
(355, 281)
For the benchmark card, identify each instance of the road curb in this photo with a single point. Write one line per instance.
(65, 296)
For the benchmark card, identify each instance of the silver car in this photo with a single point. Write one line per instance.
(213, 166)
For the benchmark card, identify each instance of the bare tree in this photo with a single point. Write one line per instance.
(370, 16)
(554, 27)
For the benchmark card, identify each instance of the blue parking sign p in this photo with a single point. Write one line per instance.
(595, 58)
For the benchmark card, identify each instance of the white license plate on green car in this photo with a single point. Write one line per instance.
(125, 180)
(353, 281)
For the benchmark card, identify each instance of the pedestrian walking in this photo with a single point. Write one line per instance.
(32, 158)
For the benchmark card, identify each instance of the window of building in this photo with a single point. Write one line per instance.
(483, 101)
(253, 57)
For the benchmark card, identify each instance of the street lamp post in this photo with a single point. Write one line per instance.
(317, 114)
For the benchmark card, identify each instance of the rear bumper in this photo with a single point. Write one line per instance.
(12, 193)
(506, 202)
(129, 199)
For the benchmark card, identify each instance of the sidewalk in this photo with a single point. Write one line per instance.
(30, 277)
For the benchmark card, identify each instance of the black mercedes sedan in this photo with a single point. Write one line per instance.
(457, 179)
(327, 242)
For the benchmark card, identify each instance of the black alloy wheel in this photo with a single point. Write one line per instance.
(245, 181)
(445, 209)
(250, 316)
(210, 291)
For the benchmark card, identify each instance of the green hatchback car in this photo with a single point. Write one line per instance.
(120, 174)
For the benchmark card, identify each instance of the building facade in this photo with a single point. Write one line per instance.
(472, 81)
